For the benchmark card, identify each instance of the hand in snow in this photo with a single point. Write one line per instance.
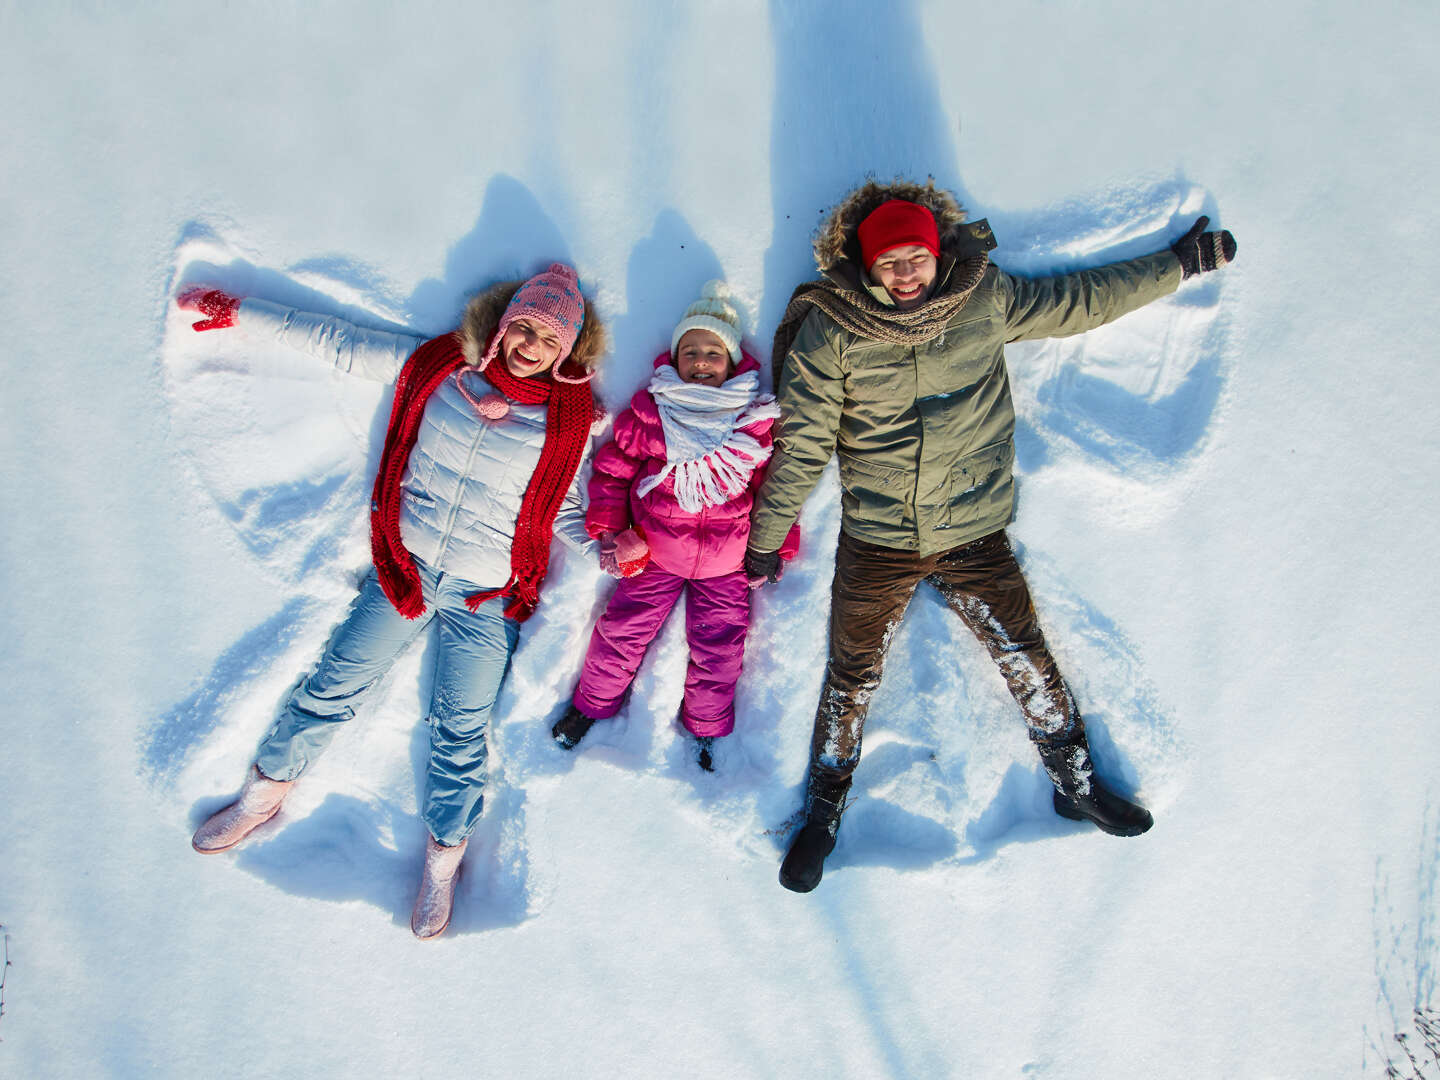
(609, 561)
(212, 302)
(763, 567)
(1199, 250)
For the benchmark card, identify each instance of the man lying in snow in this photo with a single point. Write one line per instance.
(895, 361)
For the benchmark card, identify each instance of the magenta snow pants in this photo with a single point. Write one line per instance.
(717, 614)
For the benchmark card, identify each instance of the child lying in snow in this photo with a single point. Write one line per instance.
(670, 504)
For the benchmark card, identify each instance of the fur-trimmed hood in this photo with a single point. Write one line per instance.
(837, 238)
(482, 316)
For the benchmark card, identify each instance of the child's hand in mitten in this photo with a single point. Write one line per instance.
(631, 552)
(608, 560)
(218, 305)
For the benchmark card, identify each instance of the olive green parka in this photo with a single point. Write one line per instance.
(924, 434)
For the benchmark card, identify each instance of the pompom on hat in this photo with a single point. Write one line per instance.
(551, 298)
(713, 312)
(897, 223)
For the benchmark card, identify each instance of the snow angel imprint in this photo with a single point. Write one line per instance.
(480, 468)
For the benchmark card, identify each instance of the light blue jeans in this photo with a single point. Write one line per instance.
(470, 666)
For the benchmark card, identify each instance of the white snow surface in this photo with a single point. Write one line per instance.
(1227, 515)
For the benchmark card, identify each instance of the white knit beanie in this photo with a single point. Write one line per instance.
(713, 312)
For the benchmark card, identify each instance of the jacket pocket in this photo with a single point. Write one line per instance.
(874, 493)
(982, 487)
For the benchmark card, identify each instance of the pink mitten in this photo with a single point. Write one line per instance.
(631, 552)
(219, 306)
(608, 563)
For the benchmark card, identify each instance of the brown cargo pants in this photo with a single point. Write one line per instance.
(983, 583)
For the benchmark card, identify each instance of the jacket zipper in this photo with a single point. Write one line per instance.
(480, 429)
(700, 541)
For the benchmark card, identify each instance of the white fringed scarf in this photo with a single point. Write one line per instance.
(712, 459)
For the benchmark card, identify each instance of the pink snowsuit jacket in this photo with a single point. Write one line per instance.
(703, 545)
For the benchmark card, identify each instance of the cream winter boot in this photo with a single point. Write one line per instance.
(436, 899)
(259, 801)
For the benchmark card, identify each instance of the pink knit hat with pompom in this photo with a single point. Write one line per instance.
(553, 299)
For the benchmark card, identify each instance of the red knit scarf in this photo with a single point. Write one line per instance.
(567, 429)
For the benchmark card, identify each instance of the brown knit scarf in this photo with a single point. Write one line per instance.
(856, 310)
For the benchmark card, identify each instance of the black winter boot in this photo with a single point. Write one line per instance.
(705, 754)
(805, 861)
(571, 728)
(1080, 796)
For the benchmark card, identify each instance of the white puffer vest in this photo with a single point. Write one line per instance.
(466, 475)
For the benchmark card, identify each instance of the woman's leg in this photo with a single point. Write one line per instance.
(717, 616)
(629, 624)
(470, 667)
(360, 651)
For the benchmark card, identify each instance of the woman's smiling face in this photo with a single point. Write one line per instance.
(529, 348)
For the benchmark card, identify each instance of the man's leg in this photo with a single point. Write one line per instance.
(360, 651)
(984, 584)
(868, 598)
(635, 614)
(717, 616)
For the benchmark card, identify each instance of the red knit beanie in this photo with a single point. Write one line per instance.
(897, 223)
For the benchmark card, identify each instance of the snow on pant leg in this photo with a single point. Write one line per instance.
(472, 658)
(623, 632)
(360, 651)
(872, 588)
(983, 583)
(717, 616)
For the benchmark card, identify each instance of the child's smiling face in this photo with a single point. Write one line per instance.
(701, 357)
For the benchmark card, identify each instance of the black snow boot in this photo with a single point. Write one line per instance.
(571, 728)
(1080, 796)
(705, 755)
(805, 861)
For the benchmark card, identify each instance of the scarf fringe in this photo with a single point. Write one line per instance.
(707, 451)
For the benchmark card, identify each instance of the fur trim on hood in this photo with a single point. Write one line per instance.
(837, 239)
(482, 316)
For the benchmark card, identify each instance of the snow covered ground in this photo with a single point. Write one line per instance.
(1227, 514)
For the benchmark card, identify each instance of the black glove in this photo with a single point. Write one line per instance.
(1199, 250)
(762, 567)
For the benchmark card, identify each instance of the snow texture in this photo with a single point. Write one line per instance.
(187, 522)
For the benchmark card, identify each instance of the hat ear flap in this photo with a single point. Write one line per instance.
(575, 375)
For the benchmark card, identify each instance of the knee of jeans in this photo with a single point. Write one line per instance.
(337, 677)
(309, 702)
(459, 725)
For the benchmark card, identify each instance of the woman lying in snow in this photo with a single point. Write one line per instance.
(670, 504)
(488, 429)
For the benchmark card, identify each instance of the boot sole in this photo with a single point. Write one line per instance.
(1068, 810)
(238, 840)
(798, 886)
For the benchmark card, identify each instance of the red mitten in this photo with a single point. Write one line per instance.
(218, 305)
(631, 552)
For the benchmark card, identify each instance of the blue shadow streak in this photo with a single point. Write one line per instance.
(170, 741)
